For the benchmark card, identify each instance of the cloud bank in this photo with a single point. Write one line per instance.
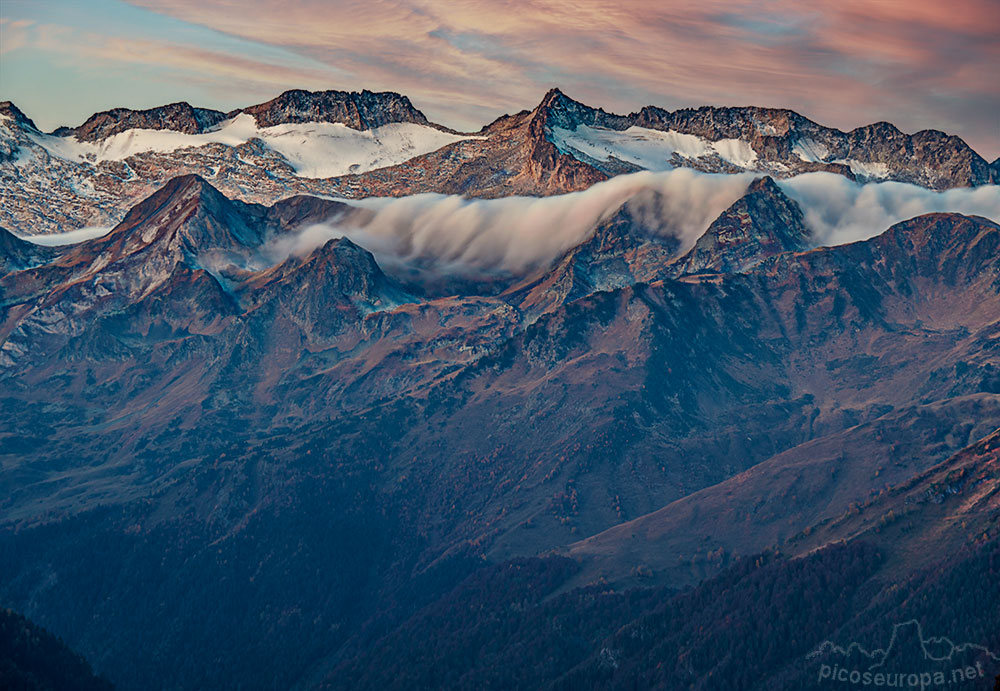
(516, 235)
(839, 211)
(447, 235)
(450, 234)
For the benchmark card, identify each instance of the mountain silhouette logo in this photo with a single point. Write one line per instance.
(910, 661)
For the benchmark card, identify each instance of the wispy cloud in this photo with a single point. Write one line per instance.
(847, 62)
(196, 62)
(13, 34)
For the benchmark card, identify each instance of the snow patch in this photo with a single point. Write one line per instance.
(870, 171)
(736, 151)
(650, 149)
(810, 151)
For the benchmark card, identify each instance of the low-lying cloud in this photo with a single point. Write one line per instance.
(453, 236)
(839, 211)
(515, 235)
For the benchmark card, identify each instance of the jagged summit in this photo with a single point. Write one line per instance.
(362, 110)
(760, 224)
(559, 110)
(177, 117)
(724, 122)
(876, 151)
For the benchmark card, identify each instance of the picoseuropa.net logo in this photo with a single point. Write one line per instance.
(910, 661)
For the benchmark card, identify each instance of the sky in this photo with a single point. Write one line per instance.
(844, 63)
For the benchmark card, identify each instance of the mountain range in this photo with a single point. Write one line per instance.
(232, 457)
(351, 145)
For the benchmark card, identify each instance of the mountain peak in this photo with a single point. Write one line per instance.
(187, 207)
(553, 95)
(765, 185)
(340, 254)
(187, 185)
(8, 109)
(362, 110)
(329, 287)
(178, 117)
(559, 110)
(760, 224)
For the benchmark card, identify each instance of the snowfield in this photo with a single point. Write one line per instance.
(314, 150)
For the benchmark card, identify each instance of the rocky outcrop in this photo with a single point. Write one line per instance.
(363, 110)
(559, 110)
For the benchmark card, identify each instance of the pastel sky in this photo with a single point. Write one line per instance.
(917, 63)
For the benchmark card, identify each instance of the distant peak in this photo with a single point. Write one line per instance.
(766, 185)
(360, 110)
(559, 110)
(177, 117)
(880, 128)
(552, 95)
(555, 98)
(8, 109)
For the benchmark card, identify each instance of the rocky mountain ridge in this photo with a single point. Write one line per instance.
(89, 176)
(363, 110)
(793, 144)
